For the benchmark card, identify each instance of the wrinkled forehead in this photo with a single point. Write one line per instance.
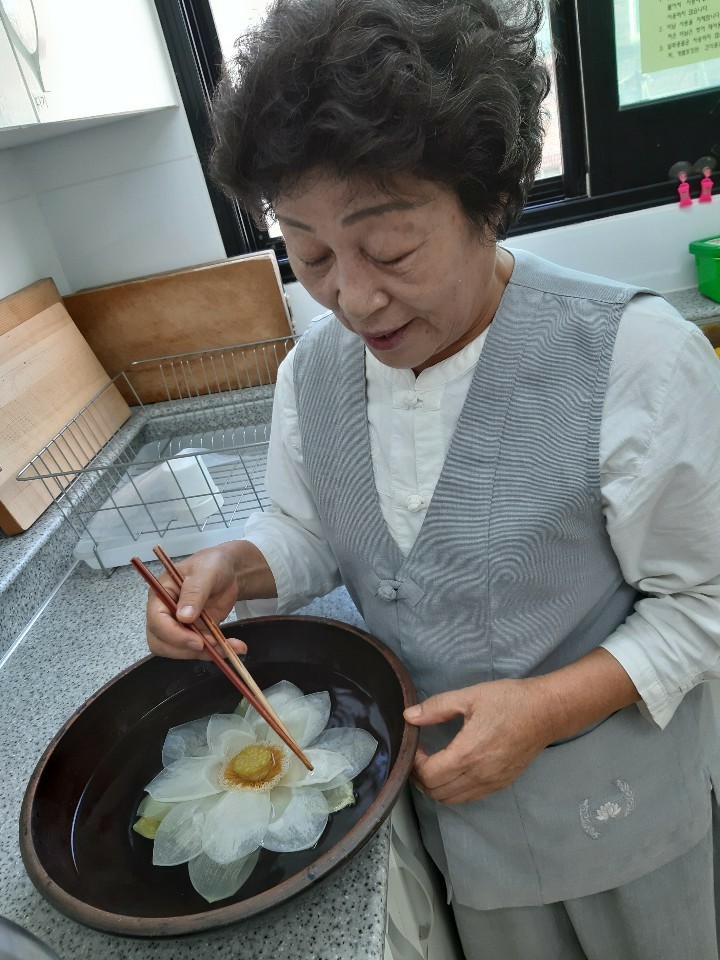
(346, 196)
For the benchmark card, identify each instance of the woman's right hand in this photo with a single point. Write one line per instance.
(215, 579)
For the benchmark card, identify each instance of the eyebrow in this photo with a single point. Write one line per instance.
(358, 215)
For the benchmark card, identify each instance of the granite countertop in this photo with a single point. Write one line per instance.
(91, 630)
(694, 306)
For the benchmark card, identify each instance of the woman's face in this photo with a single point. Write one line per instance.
(406, 273)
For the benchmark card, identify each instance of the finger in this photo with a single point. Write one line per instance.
(192, 599)
(461, 794)
(162, 623)
(162, 649)
(431, 787)
(441, 768)
(165, 632)
(238, 645)
(438, 709)
(167, 638)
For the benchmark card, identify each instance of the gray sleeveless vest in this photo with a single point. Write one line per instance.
(512, 575)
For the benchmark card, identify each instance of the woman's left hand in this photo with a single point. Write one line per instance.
(505, 724)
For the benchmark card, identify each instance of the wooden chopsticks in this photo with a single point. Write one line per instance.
(240, 667)
(249, 690)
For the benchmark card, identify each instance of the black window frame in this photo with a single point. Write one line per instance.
(637, 143)
(636, 151)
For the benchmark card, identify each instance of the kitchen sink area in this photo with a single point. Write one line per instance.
(70, 625)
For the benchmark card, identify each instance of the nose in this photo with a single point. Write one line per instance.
(360, 292)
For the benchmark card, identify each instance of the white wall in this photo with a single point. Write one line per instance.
(27, 252)
(107, 203)
(649, 247)
(125, 199)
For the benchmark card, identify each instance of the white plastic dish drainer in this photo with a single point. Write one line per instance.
(214, 426)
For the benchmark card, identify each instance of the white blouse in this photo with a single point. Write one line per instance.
(660, 484)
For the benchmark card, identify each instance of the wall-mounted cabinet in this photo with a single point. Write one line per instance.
(75, 61)
(15, 104)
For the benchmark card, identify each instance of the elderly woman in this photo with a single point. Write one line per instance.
(511, 467)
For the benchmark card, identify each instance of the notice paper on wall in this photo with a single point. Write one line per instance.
(674, 33)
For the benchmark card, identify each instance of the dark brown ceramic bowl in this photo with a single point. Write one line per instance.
(76, 834)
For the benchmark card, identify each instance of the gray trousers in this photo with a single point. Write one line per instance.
(669, 914)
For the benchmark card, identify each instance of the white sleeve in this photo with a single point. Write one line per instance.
(660, 481)
(289, 532)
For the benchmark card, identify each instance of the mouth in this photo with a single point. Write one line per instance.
(387, 341)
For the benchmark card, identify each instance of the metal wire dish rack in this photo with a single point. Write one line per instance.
(186, 469)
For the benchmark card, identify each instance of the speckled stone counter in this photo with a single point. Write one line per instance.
(91, 630)
(694, 306)
(31, 566)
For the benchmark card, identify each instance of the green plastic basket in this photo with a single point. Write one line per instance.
(707, 261)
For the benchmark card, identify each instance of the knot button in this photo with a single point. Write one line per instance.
(386, 592)
(410, 400)
(415, 503)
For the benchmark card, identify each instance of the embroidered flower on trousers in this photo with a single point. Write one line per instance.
(608, 810)
(616, 809)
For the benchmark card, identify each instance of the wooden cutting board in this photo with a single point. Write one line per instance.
(48, 373)
(216, 305)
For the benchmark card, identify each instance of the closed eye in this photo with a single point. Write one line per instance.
(318, 262)
(395, 261)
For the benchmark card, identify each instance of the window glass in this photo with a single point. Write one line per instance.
(674, 27)
(233, 17)
(552, 150)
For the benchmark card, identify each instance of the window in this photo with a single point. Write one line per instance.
(232, 18)
(639, 125)
(552, 161)
(617, 119)
(637, 86)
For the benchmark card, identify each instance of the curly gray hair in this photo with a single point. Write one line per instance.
(446, 90)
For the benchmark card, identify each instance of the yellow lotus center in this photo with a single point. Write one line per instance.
(256, 765)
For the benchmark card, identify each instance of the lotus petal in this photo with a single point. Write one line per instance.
(335, 782)
(326, 766)
(179, 836)
(340, 795)
(282, 693)
(236, 825)
(305, 718)
(217, 881)
(153, 809)
(221, 724)
(279, 799)
(186, 740)
(301, 823)
(146, 828)
(187, 779)
(232, 742)
(278, 696)
(358, 746)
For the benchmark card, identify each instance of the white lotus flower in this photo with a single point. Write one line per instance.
(230, 786)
